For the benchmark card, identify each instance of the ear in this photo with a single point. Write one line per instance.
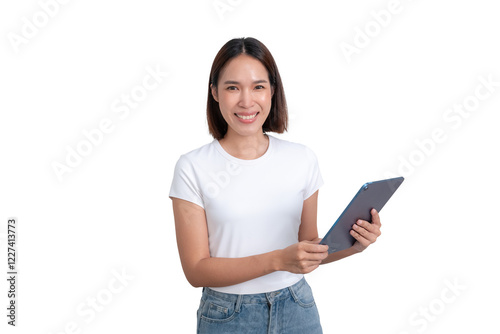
(272, 90)
(214, 92)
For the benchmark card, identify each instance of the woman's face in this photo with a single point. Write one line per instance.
(244, 94)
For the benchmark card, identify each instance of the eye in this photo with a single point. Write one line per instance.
(231, 88)
(259, 87)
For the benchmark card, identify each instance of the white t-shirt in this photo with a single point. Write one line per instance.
(252, 206)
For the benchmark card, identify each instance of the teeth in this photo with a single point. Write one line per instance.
(247, 117)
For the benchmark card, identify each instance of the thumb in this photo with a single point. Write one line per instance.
(321, 248)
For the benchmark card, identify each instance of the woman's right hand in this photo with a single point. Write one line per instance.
(302, 257)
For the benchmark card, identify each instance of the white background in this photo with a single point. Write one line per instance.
(362, 118)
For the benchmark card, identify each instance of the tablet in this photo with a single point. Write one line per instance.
(370, 195)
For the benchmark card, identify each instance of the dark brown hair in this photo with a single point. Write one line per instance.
(277, 121)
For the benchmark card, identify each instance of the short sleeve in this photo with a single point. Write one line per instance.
(314, 180)
(184, 184)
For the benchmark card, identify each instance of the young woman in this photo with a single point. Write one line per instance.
(245, 205)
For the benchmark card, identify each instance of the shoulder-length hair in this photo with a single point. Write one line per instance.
(277, 120)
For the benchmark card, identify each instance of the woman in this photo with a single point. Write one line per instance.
(245, 205)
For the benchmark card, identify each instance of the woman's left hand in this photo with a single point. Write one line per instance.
(366, 233)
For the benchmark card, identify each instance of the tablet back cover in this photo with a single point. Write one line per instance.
(370, 195)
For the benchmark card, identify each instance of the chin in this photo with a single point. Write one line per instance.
(254, 130)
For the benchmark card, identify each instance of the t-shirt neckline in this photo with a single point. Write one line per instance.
(233, 159)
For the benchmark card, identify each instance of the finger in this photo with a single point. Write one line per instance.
(313, 242)
(362, 240)
(370, 227)
(376, 218)
(305, 255)
(310, 268)
(371, 237)
(314, 246)
(313, 263)
(304, 264)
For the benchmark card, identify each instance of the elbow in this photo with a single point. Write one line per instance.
(194, 279)
(194, 282)
(195, 274)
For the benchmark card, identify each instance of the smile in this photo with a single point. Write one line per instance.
(247, 117)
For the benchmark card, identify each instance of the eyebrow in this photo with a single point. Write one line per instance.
(231, 82)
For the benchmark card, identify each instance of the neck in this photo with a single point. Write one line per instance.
(245, 147)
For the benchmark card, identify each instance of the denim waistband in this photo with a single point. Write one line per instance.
(257, 298)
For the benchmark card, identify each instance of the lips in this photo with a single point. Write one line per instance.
(246, 116)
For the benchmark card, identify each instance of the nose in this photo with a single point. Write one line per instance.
(246, 99)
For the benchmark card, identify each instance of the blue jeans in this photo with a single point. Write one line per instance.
(290, 310)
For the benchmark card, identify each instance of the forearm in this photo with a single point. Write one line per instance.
(340, 255)
(218, 272)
